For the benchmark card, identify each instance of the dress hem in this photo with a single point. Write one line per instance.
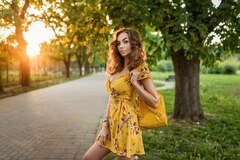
(119, 154)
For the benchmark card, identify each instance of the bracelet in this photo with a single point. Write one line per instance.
(105, 119)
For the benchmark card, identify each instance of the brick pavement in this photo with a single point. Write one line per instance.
(58, 122)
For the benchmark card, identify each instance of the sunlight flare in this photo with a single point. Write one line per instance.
(37, 34)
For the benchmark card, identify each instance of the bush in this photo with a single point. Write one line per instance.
(228, 66)
(229, 69)
(163, 66)
(216, 70)
(154, 68)
(203, 69)
(220, 69)
(169, 65)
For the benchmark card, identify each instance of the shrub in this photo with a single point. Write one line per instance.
(229, 69)
(228, 66)
(165, 66)
(216, 70)
(169, 65)
(203, 69)
(154, 68)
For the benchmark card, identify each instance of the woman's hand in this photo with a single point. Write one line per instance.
(134, 77)
(104, 134)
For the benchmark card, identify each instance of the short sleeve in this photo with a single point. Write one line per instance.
(144, 72)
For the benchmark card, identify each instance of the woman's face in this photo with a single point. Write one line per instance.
(123, 44)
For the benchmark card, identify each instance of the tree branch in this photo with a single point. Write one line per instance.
(51, 26)
(14, 6)
(225, 6)
(24, 10)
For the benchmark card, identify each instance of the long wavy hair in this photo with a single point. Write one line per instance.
(115, 61)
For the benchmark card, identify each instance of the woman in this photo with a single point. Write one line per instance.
(127, 75)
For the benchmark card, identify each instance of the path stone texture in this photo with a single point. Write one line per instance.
(58, 122)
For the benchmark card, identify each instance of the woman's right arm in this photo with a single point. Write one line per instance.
(106, 123)
(104, 133)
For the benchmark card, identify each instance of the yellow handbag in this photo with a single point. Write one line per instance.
(149, 117)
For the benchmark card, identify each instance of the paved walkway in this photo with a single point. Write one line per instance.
(167, 85)
(58, 122)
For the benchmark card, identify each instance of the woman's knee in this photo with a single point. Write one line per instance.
(87, 156)
(95, 152)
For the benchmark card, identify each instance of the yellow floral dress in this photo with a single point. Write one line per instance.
(125, 134)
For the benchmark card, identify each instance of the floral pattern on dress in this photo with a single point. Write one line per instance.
(144, 72)
(125, 134)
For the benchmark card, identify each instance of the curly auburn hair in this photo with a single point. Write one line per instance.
(115, 62)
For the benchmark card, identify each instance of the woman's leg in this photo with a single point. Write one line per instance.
(95, 152)
(126, 158)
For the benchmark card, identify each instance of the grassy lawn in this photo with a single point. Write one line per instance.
(157, 84)
(161, 76)
(218, 138)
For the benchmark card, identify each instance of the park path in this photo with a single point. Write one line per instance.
(166, 85)
(58, 122)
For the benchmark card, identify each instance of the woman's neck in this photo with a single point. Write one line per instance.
(126, 63)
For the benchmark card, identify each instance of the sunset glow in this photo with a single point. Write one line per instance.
(37, 34)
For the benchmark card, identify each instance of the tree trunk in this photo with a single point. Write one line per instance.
(1, 82)
(24, 60)
(67, 65)
(187, 100)
(24, 70)
(67, 69)
(79, 62)
(80, 58)
(7, 69)
(87, 67)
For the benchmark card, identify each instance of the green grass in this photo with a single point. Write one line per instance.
(217, 138)
(161, 76)
(157, 84)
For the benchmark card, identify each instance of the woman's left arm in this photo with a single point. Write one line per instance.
(145, 90)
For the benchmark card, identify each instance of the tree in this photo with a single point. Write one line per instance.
(3, 60)
(15, 15)
(93, 33)
(187, 28)
(90, 31)
(44, 53)
(53, 14)
(6, 58)
(78, 27)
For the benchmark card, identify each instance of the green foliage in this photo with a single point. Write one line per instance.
(216, 70)
(154, 46)
(229, 69)
(6, 55)
(84, 27)
(163, 66)
(182, 25)
(229, 66)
